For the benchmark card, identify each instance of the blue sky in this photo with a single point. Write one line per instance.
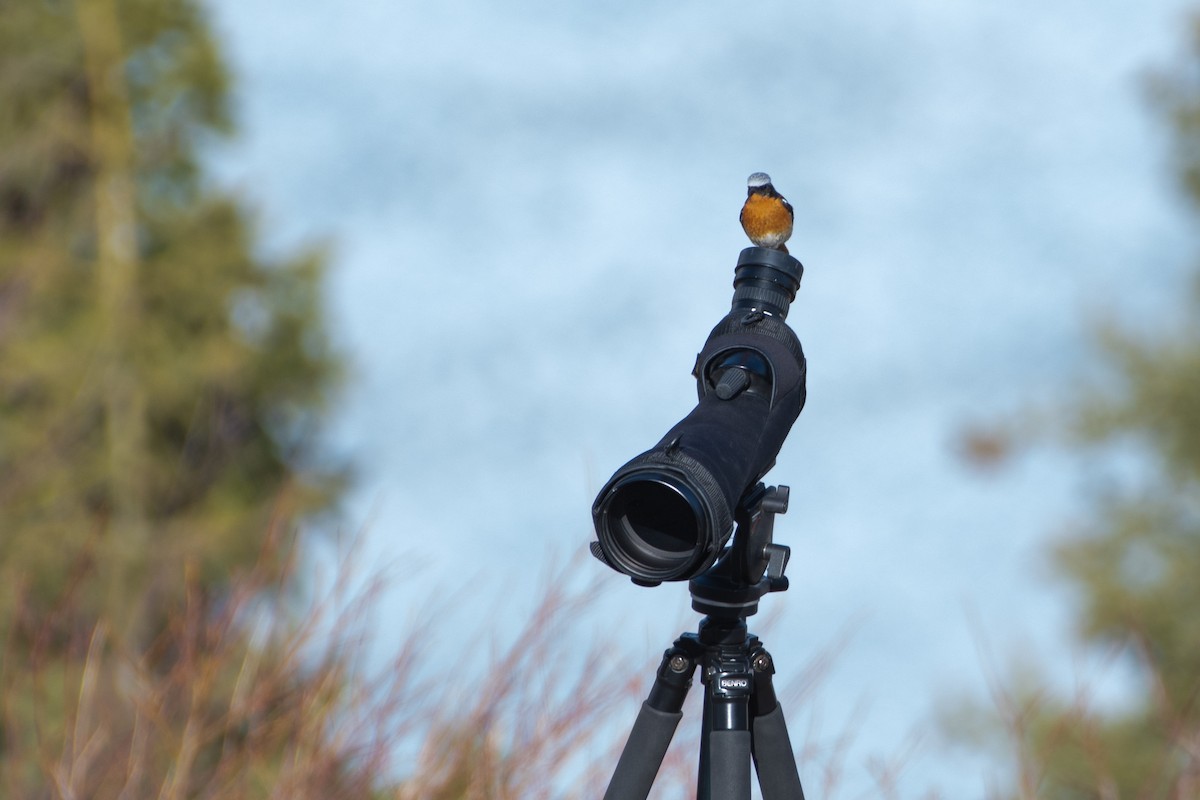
(532, 214)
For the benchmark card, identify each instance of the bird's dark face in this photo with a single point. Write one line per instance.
(764, 190)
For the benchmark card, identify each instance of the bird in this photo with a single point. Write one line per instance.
(766, 216)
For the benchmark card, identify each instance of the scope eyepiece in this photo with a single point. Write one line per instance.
(766, 280)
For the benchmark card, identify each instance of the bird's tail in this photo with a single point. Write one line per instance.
(782, 248)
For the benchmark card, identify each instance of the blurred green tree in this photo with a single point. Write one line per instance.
(160, 381)
(1135, 565)
(161, 388)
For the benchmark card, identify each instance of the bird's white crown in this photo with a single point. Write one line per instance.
(758, 179)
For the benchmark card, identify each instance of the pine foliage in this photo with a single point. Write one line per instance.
(160, 382)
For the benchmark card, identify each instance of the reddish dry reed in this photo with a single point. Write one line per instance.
(243, 695)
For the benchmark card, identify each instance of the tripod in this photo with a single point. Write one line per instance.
(742, 718)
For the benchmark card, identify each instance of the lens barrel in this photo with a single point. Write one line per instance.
(657, 523)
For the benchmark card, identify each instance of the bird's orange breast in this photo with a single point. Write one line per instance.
(766, 220)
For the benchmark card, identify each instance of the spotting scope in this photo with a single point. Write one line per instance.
(667, 514)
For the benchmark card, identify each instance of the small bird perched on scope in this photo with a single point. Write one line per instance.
(766, 216)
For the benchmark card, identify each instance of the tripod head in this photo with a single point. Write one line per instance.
(751, 566)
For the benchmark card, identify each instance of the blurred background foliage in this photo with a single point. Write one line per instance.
(162, 387)
(160, 383)
(1133, 562)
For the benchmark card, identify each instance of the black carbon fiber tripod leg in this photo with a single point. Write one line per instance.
(655, 726)
(774, 759)
(724, 764)
(725, 744)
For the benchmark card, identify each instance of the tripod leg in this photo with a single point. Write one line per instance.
(643, 754)
(654, 727)
(726, 742)
(728, 766)
(774, 759)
